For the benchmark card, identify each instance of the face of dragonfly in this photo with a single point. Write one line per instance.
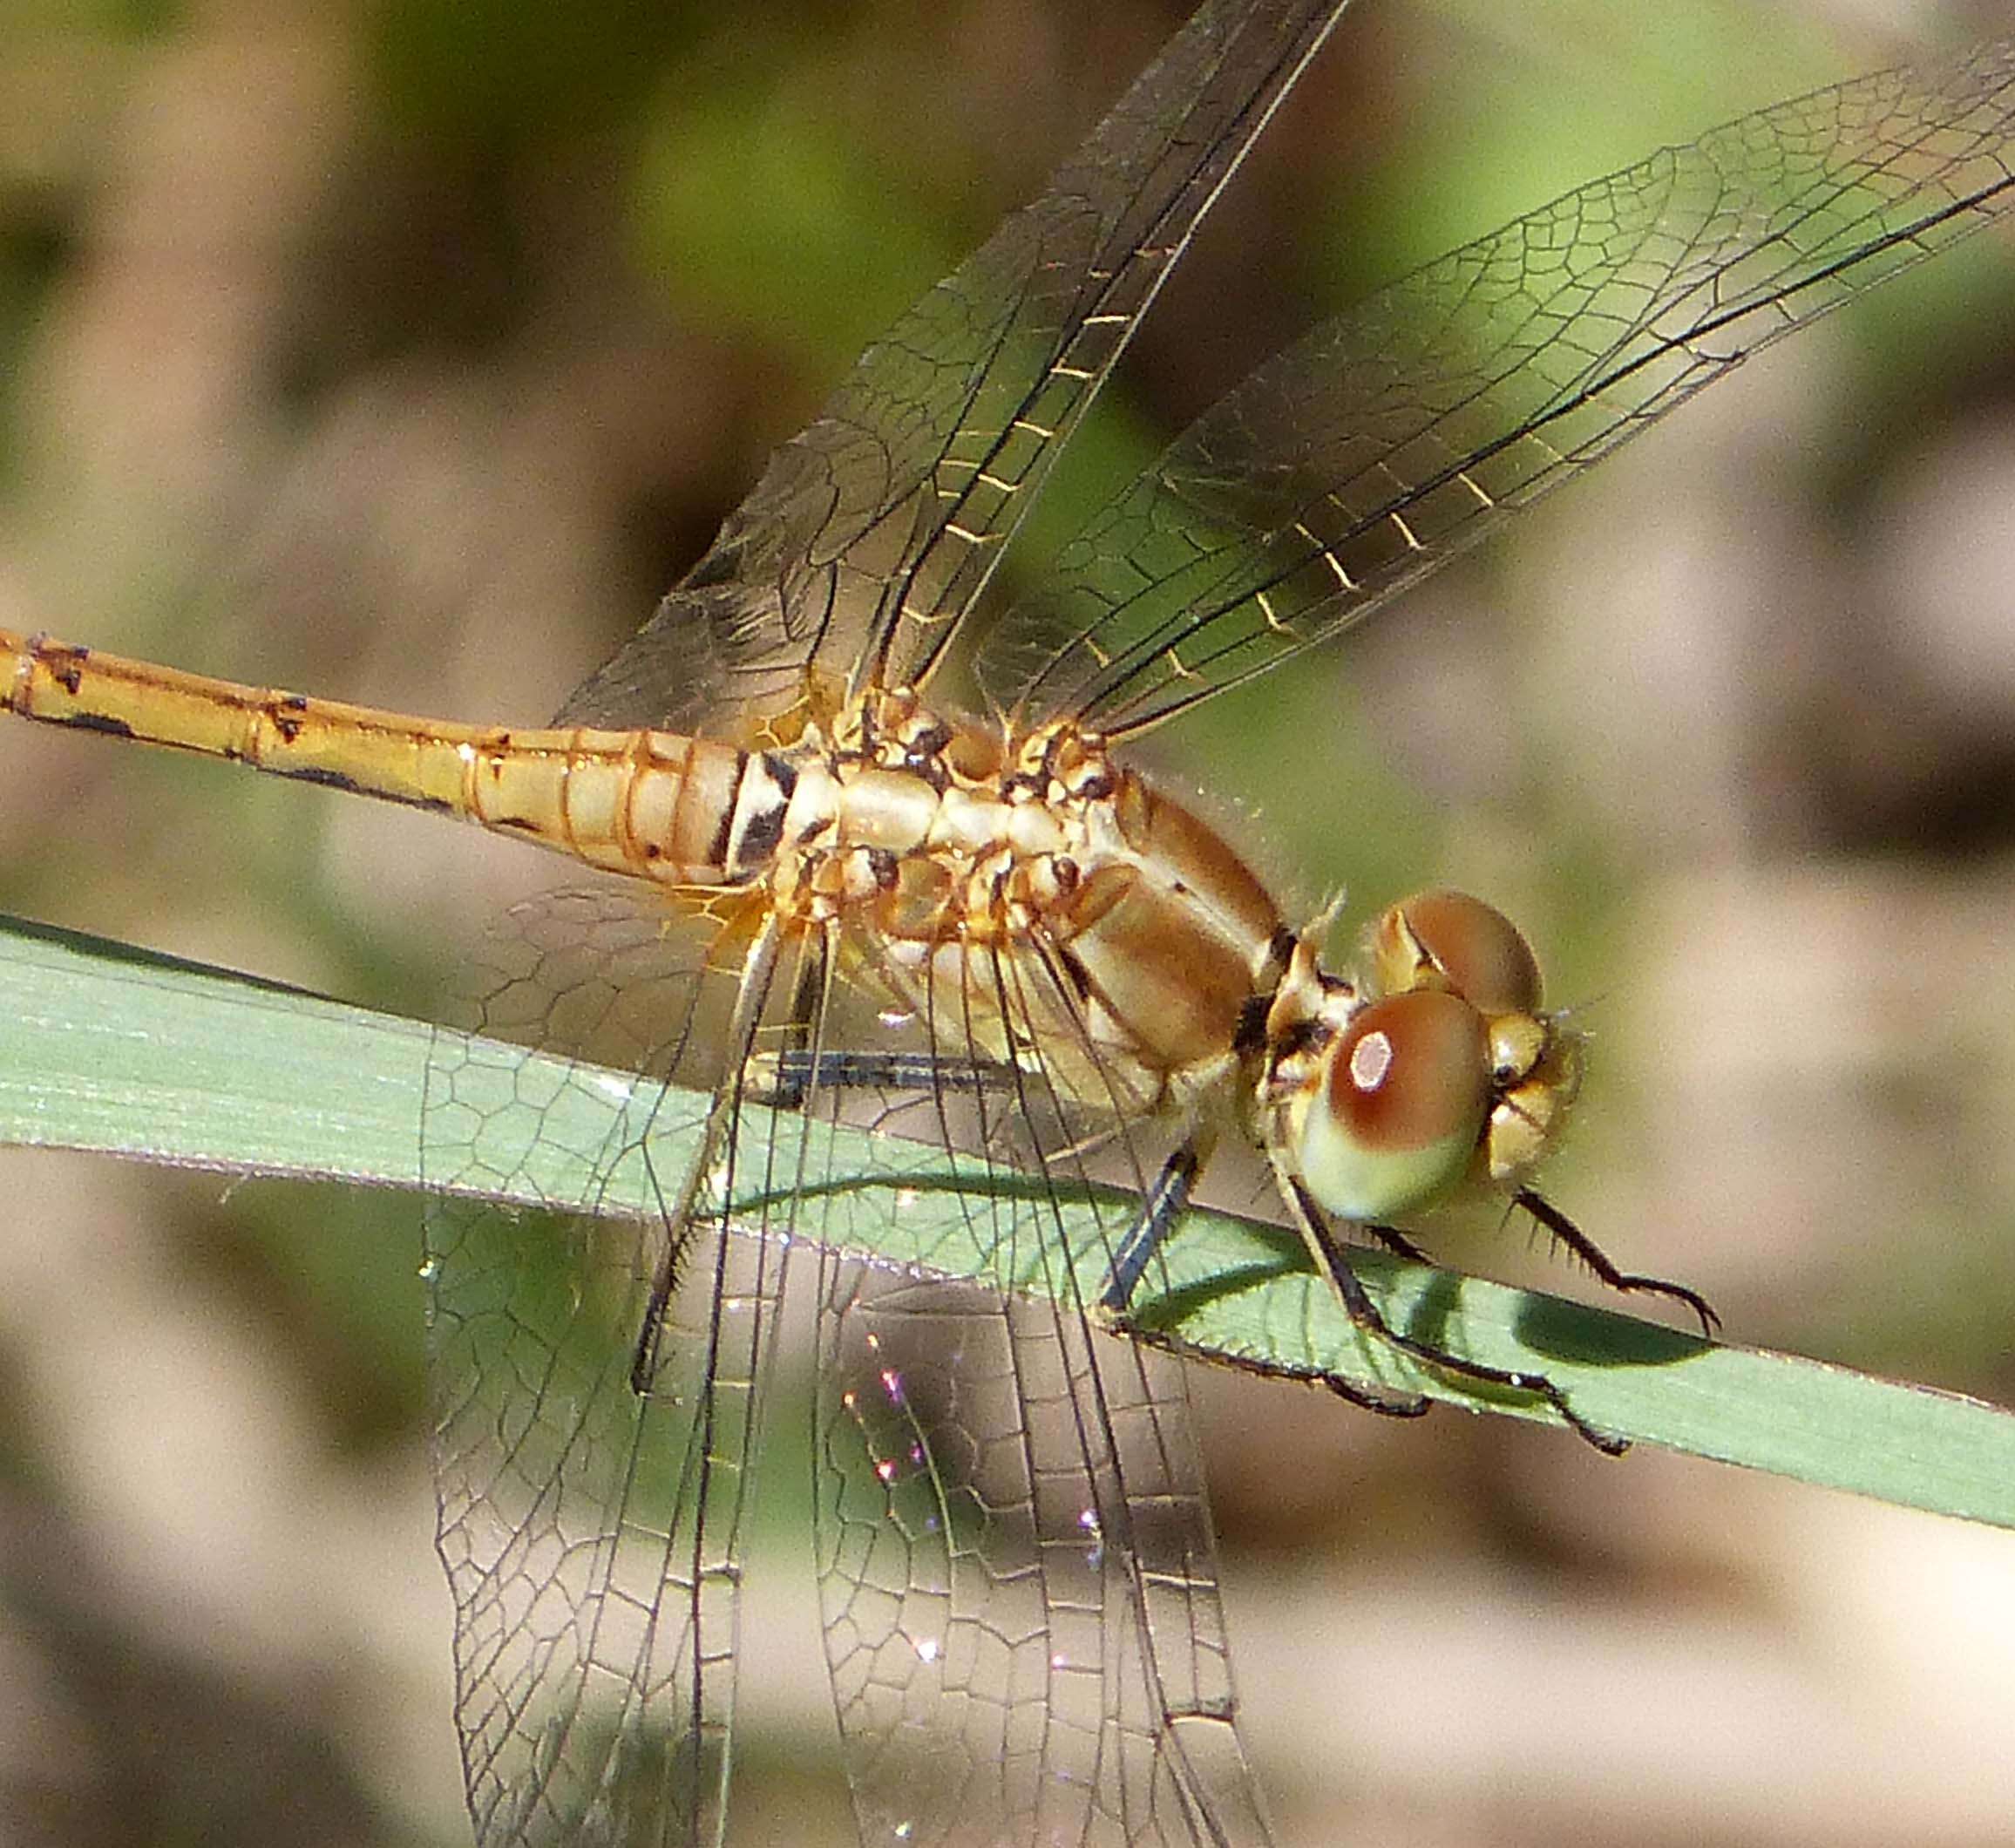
(1629, 786)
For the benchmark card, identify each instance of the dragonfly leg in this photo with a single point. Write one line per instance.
(759, 969)
(1566, 1232)
(1333, 1260)
(1396, 1242)
(782, 1079)
(1162, 1205)
(797, 1069)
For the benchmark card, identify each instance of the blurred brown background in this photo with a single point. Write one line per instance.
(404, 352)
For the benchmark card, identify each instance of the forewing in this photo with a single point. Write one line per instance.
(1015, 1552)
(871, 534)
(1393, 438)
(592, 1533)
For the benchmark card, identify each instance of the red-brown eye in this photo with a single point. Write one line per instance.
(1404, 1103)
(1447, 939)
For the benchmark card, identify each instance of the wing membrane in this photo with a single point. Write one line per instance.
(592, 1503)
(1025, 1641)
(1014, 1546)
(1401, 433)
(869, 534)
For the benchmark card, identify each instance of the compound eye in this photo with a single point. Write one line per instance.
(1447, 939)
(1405, 1101)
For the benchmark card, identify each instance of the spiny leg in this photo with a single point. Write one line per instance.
(758, 969)
(798, 1067)
(782, 1080)
(1162, 1207)
(835, 1067)
(1566, 1232)
(1334, 1261)
(1395, 1241)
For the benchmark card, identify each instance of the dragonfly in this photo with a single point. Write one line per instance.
(832, 885)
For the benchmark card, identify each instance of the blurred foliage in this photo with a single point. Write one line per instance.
(497, 76)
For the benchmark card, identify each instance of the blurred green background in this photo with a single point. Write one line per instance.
(405, 352)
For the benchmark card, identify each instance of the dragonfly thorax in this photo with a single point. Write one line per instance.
(1028, 886)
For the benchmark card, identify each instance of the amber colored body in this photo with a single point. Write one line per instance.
(931, 847)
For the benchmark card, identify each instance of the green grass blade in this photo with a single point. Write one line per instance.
(107, 1048)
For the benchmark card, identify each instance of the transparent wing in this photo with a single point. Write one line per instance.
(1015, 1551)
(1393, 438)
(1021, 1595)
(869, 534)
(595, 1431)
(1016, 1554)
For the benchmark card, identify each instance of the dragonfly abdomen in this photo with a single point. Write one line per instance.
(652, 804)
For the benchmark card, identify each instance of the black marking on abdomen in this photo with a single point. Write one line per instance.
(315, 773)
(783, 773)
(724, 830)
(756, 817)
(66, 664)
(335, 779)
(112, 727)
(764, 827)
(759, 838)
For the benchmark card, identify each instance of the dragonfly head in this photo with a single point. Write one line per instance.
(1445, 1070)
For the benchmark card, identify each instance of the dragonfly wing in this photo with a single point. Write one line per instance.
(871, 534)
(592, 1533)
(1021, 1605)
(1015, 1551)
(1398, 435)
